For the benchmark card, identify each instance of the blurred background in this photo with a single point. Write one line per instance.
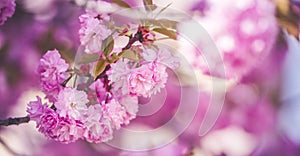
(259, 45)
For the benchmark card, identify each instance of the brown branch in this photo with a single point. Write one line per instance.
(14, 121)
(67, 80)
(137, 37)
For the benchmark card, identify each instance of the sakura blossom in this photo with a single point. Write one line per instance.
(130, 104)
(53, 126)
(140, 81)
(71, 102)
(68, 130)
(98, 126)
(36, 109)
(115, 112)
(52, 70)
(161, 56)
(93, 31)
(98, 91)
(118, 76)
(48, 121)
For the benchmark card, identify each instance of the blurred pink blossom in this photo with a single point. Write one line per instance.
(7, 9)
(244, 32)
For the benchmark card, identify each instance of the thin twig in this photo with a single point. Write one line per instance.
(14, 121)
(137, 37)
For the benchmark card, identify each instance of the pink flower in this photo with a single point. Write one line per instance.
(7, 8)
(147, 79)
(93, 31)
(52, 70)
(160, 77)
(36, 109)
(100, 91)
(115, 112)
(63, 129)
(161, 56)
(130, 104)
(140, 81)
(144, 81)
(48, 122)
(118, 76)
(68, 130)
(98, 127)
(71, 102)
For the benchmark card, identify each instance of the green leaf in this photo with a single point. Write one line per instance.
(88, 58)
(107, 45)
(149, 6)
(114, 57)
(121, 3)
(99, 68)
(170, 33)
(130, 55)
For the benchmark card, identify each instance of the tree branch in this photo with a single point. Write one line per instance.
(137, 37)
(14, 121)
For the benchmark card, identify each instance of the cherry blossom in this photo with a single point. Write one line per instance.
(161, 56)
(71, 102)
(115, 112)
(52, 70)
(36, 109)
(118, 76)
(98, 127)
(93, 31)
(68, 130)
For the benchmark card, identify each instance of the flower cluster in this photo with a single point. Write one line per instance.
(7, 8)
(145, 78)
(93, 30)
(107, 99)
(53, 72)
(69, 117)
